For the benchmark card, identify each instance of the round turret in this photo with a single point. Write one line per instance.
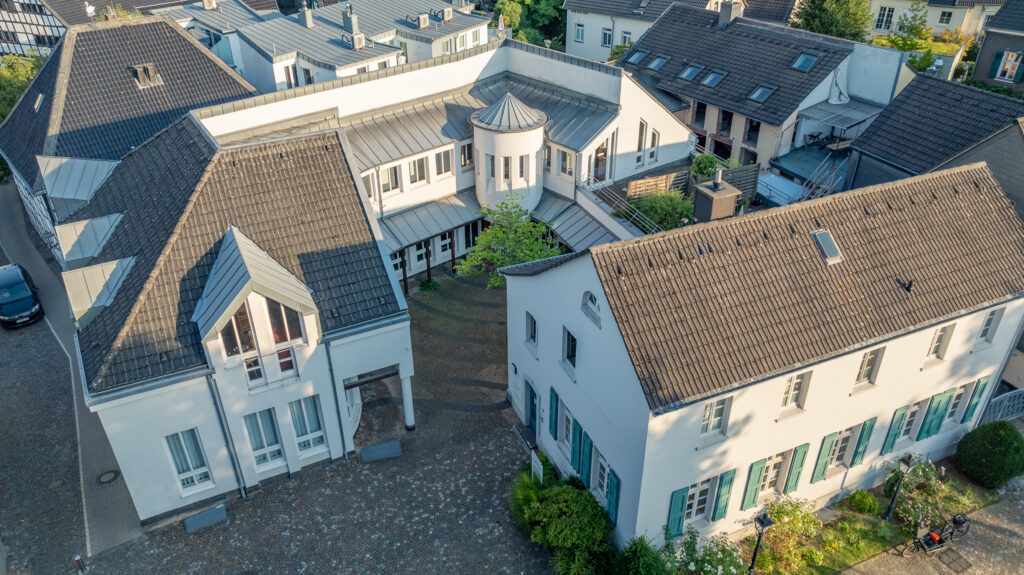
(509, 140)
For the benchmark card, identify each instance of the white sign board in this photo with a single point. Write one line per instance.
(536, 467)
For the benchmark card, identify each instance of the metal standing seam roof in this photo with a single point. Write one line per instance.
(570, 222)
(407, 227)
(229, 15)
(842, 116)
(241, 267)
(508, 114)
(326, 44)
(86, 238)
(382, 17)
(382, 136)
(73, 178)
(72, 12)
(710, 307)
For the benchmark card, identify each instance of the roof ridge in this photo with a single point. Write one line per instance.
(59, 95)
(157, 264)
(180, 30)
(799, 206)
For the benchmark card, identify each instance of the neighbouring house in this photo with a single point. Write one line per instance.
(1002, 48)
(228, 309)
(345, 39)
(970, 16)
(689, 376)
(35, 26)
(434, 141)
(107, 88)
(594, 27)
(935, 124)
(758, 93)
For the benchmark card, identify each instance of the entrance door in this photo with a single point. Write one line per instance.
(531, 406)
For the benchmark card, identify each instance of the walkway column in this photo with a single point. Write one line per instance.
(410, 421)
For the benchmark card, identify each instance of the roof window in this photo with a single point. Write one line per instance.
(828, 247)
(713, 78)
(805, 61)
(39, 102)
(690, 72)
(761, 93)
(657, 62)
(635, 57)
(145, 75)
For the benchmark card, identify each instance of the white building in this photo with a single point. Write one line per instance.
(594, 27)
(433, 141)
(968, 16)
(229, 311)
(689, 376)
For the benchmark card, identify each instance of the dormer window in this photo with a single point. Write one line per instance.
(285, 323)
(713, 78)
(805, 61)
(690, 72)
(635, 57)
(237, 334)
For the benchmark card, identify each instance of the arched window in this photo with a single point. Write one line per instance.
(591, 308)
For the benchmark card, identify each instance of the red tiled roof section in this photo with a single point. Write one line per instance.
(714, 306)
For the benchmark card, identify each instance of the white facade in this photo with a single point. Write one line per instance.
(654, 457)
(28, 27)
(592, 36)
(969, 18)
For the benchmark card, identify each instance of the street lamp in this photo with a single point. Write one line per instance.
(906, 464)
(761, 523)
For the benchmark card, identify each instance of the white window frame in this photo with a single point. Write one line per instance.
(569, 340)
(640, 140)
(716, 417)
(1008, 66)
(565, 439)
(774, 467)
(284, 356)
(443, 162)
(233, 322)
(290, 337)
(948, 15)
(627, 37)
(885, 17)
(270, 455)
(867, 373)
(694, 499)
(606, 37)
(910, 422)
(254, 372)
(466, 156)
(531, 329)
(198, 476)
(989, 325)
(590, 307)
(392, 182)
(312, 441)
(578, 35)
(599, 476)
(955, 404)
(794, 392)
(840, 454)
(940, 342)
(418, 170)
(652, 152)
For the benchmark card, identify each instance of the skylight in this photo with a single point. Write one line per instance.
(805, 61)
(761, 93)
(828, 247)
(690, 72)
(636, 57)
(39, 102)
(657, 62)
(713, 78)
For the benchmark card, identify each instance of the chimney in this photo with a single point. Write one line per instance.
(209, 4)
(353, 20)
(307, 16)
(729, 11)
(715, 200)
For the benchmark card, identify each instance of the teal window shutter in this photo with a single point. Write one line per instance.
(862, 441)
(821, 467)
(586, 451)
(997, 60)
(972, 405)
(753, 485)
(724, 491)
(898, 417)
(796, 466)
(935, 415)
(677, 511)
(553, 415)
(613, 496)
(574, 459)
(1019, 73)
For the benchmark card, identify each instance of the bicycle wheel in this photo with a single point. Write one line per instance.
(960, 531)
(911, 548)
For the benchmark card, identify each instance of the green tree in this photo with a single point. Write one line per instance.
(512, 10)
(16, 73)
(849, 19)
(912, 30)
(618, 50)
(546, 16)
(512, 238)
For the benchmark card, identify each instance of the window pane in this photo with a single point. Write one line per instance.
(312, 414)
(195, 451)
(178, 453)
(227, 335)
(291, 317)
(277, 321)
(269, 426)
(298, 419)
(245, 338)
(253, 427)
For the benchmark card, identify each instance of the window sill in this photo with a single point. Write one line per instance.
(569, 369)
(268, 385)
(699, 524)
(271, 467)
(861, 388)
(980, 347)
(789, 413)
(713, 438)
(313, 451)
(931, 363)
(206, 486)
(835, 471)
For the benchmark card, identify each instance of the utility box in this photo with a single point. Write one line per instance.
(715, 200)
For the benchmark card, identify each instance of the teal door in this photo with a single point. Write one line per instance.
(531, 406)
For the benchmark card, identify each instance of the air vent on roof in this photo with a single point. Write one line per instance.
(828, 247)
(145, 75)
(358, 41)
(446, 14)
(422, 21)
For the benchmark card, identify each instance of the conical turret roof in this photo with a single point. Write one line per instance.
(509, 114)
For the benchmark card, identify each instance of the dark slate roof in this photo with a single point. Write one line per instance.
(932, 120)
(1009, 17)
(965, 3)
(72, 12)
(696, 324)
(770, 10)
(623, 8)
(92, 106)
(749, 53)
(179, 195)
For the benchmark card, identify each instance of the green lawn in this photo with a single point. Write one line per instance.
(937, 48)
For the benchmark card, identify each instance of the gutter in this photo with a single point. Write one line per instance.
(386, 321)
(98, 398)
(226, 432)
(337, 407)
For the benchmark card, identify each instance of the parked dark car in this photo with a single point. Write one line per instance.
(18, 302)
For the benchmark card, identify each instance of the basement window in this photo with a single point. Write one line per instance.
(828, 247)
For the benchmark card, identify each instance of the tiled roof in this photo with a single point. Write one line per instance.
(1009, 17)
(933, 119)
(749, 54)
(965, 3)
(178, 196)
(770, 10)
(713, 306)
(92, 106)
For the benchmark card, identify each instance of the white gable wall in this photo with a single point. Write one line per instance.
(593, 24)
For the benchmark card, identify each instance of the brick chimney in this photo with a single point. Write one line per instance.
(729, 11)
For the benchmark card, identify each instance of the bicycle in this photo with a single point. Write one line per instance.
(931, 541)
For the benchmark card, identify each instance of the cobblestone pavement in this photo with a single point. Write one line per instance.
(994, 546)
(40, 501)
(438, 508)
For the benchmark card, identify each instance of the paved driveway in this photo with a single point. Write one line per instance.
(438, 508)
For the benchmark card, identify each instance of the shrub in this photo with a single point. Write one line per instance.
(574, 526)
(697, 556)
(917, 513)
(524, 494)
(813, 557)
(666, 209)
(781, 550)
(923, 477)
(991, 454)
(640, 558)
(705, 165)
(862, 501)
(575, 483)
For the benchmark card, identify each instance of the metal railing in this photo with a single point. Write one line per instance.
(622, 209)
(1006, 406)
(823, 180)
